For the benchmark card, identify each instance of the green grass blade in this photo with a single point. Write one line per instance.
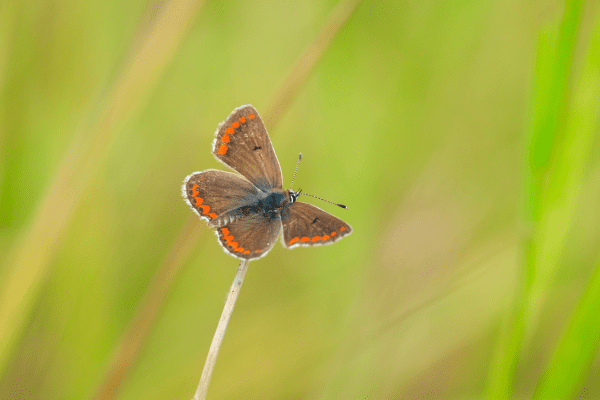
(550, 192)
(571, 361)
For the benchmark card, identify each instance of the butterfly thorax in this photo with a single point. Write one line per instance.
(273, 201)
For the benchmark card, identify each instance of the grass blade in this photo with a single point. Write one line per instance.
(574, 355)
(550, 192)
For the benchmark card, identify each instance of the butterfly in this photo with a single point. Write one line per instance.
(248, 210)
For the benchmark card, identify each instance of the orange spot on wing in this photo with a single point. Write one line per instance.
(316, 238)
(228, 238)
(233, 244)
(195, 193)
(199, 200)
(223, 149)
(236, 124)
(294, 240)
(242, 120)
(333, 233)
(325, 237)
(195, 187)
(240, 249)
(205, 209)
(247, 252)
(225, 138)
(225, 231)
(229, 131)
(304, 239)
(342, 228)
(251, 116)
(213, 215)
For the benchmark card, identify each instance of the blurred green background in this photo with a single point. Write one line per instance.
(463, 136)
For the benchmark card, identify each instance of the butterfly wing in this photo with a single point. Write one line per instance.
(211, 193)
(250, 237)
(307, 225)
(242, 143)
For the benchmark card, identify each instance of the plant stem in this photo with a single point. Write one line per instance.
(211, 359)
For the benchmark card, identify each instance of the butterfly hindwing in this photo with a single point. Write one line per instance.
(308, 225)
(242, 143)
(212, 192)
(250, 237)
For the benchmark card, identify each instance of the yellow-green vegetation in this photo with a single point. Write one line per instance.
(463, 137)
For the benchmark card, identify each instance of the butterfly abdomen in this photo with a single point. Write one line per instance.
(267, 204)
(233, 215)
(222, 220)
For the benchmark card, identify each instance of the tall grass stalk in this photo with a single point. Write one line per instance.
(211, 359)
(572, 358)
(556, 157)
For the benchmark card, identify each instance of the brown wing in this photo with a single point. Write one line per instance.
(250, 237)
(242, 143)
(211, 193)
(307, 225)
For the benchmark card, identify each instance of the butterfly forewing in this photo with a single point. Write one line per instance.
(250, 237)
(243, 144)
(308, 225)
(212, 192)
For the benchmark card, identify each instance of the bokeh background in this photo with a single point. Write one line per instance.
(463, 136)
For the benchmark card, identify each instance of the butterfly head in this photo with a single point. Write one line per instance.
(294, 195)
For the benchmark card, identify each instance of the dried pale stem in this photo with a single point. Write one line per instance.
(211, 359)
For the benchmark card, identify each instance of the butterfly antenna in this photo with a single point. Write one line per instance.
(300, 191)
(296, 171)
(331, 202)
